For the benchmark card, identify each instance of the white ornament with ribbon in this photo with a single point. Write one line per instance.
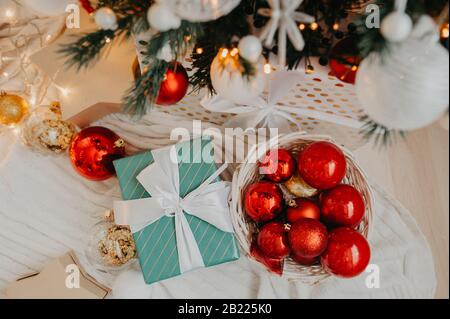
(209, 202)
(261, 112)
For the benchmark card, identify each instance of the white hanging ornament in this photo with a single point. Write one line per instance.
(250, 48)
(48, 7)
(106, 19)
(397, 26)
(284, 18)
(161, 17)
(408, 88)
(202, 10)
(228, 81)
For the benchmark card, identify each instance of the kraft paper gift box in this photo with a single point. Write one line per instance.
(157, 242)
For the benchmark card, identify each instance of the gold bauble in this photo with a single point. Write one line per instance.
(45, 130)
(13, 109)
(299, 188)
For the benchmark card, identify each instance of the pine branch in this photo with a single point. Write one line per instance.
(222, 33)
(140, 98)
(378, 134)
(180, 40)
(87, 49)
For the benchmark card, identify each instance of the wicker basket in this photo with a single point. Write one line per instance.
(248, 174)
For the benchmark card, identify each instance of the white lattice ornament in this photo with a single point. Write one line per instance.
(327, 106)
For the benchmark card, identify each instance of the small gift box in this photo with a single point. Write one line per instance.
(177, 208)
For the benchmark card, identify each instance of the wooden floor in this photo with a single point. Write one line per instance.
(416, 172)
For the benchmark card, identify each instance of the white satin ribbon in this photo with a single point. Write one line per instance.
(261, 112)
(209, 202)
(284, 17)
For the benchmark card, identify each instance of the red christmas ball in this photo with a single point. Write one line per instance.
(305, 261)
(93, 151)
(342, 206)
(263, 201)
(345, 60)
(347, 254)
(302, 208)
(308, 238)
(322, 165)
(273, 240)
(274, 265)
(174, 86)
(86, 5)
(278, 165)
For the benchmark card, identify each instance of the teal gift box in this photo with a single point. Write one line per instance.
(156, 244)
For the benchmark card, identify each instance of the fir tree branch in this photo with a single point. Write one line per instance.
(218, 34)
(140, 98)
(378, 134)
(87, 49)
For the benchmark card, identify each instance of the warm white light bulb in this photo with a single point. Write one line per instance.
(9, 13)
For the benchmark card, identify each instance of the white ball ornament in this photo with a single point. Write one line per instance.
(250, 48)
(397, 26)
(230, 84)
(406, 89)
(162, 18)
(106, 19)
(202, 10)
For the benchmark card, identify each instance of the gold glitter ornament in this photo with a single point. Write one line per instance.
(299, 188)
(45, 131)
(13, 109)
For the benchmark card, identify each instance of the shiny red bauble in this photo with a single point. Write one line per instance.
(345, 60)
(274, 265)
(277, 166)
(86, 5)
(347, 254)
(308, 238)
(302, 208)
(174, 86)
(273, 240)
(342, 206)
(305, 261)
(263, 201)
(93, 151)
(322, 165)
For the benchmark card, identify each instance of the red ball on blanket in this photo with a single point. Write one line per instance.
(93, 151)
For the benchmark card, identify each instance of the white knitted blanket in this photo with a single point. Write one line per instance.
(46, 209)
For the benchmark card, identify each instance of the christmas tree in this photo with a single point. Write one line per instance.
(243, 31)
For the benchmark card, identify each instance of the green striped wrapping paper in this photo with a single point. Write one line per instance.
(156, 244)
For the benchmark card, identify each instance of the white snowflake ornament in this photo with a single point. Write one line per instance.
(284, 18)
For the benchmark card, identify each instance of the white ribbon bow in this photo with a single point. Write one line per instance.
(284, 17)
(209, 202)
(261, 112)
